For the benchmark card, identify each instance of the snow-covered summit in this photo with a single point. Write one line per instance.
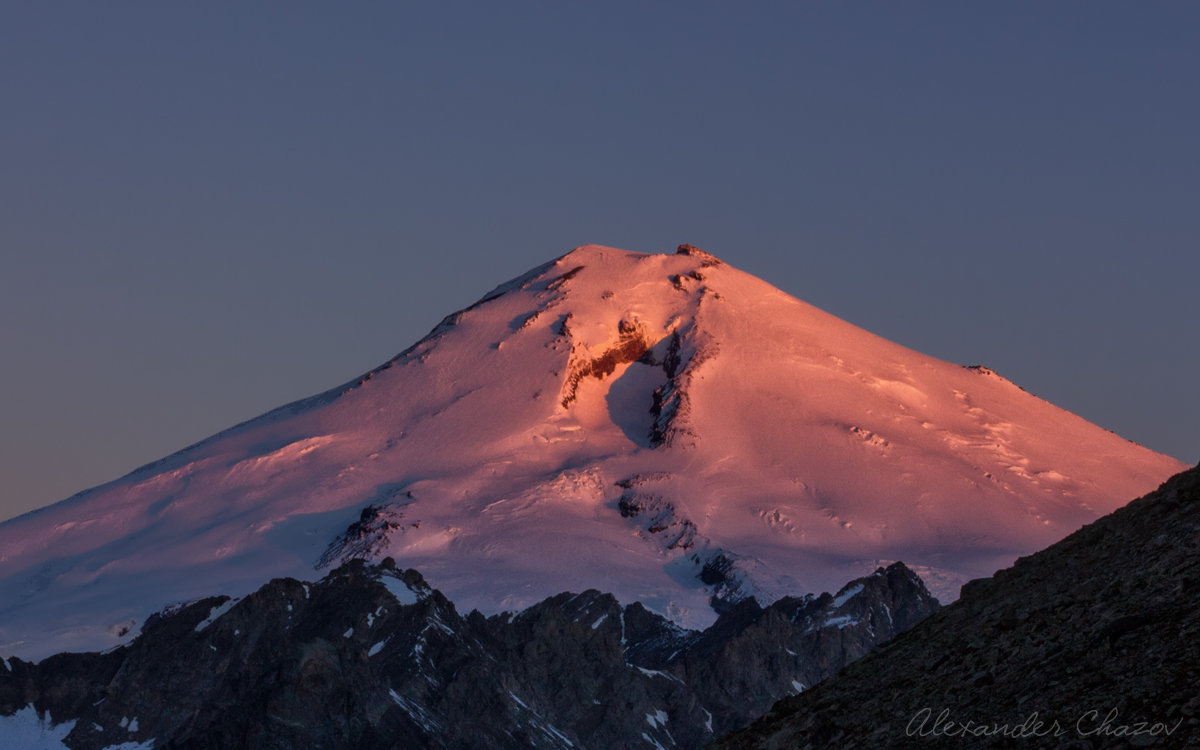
(663, 427)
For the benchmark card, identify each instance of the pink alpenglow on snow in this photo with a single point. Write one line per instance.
(663, 427)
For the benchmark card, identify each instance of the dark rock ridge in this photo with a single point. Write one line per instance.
(728, 576)
(368, 536)
(1092, 643)
(371, 657)
(686, 351)
(657, 515)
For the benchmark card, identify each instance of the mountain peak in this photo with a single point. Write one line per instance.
(706, 259)
(661, 426)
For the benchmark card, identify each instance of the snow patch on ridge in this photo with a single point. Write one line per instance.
(215, 614)
(401, 590)
(26, 729)
(846, 595)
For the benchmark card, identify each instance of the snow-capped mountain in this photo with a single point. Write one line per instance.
(662, 427)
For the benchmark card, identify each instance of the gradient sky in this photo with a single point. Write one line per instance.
(207, 210)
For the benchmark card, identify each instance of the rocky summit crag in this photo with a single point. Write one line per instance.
(372, 657)
(1091, 643)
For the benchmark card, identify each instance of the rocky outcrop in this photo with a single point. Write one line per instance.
(1091, 643)
(631, 344)
(656, 515)
(706, 259)
(686, 351)
(372, 657)
(368, 536)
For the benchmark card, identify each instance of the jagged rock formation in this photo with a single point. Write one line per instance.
(371, 657)
(1091, 643)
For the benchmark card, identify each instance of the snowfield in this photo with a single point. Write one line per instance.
(663, 427)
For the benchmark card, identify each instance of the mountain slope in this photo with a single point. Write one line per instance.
(664, 427)
(1097, 638)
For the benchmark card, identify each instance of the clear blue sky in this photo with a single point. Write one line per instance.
(207, 210)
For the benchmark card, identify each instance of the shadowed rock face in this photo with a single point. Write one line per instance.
(1096, 637)
(370, 657)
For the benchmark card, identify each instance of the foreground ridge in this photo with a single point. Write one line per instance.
(1091, 643)
(373, 657)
